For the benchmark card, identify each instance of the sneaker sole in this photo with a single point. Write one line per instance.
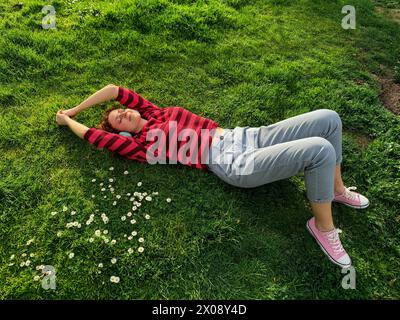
(326, 253)
(352, 206)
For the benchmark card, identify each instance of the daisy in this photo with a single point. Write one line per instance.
(155, 193)
(130, 238)
(65, 208)
(111, 168)
(144, 194)
(111, 180)
(141, 240)
(105, 197)
(53, 213)
(129, 214)
(126, 172)
(100, 265)
(134, 233)
(24, 255)
(28, 262)
(147, 216)
(168, 199)
(32, 255)
(36, 278)
(93, 180)
(106, 240)
(128, 194)
(118, 196)
(140, 249)
(138, 204)
(103, 189)
(71, 255)
(12, 256)
(134, 208)
(133, 221)
(113, 241)
(97, 233)
(123, 218)
(59, 234)
(148, 198)
(73, 213)
(11, 264)
(105, 231)
(22, 264)
(113, 261)
(139, 184)
(91, 239)
(112, 190)
(93, 196)
(114, 203)
(130, 250)
(101, 184)
(132, 199)
(29, 242)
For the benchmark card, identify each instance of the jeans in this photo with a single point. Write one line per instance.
(249, 157)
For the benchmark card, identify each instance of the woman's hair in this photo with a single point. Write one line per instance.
(105, 124)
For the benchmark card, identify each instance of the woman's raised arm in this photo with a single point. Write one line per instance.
(109, 92)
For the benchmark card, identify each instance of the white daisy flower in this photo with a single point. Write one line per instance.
(133, 221)
(91, 239)
(53, 213)
(106, 240)
(105, 231)
(75, 223)
(111, 180)
(140, 249)
(112, 190)
(91, 216)
(113, 241)
(32, 255)
(128, 194)
(113, 260)
(73, 213)
(105, 197)
(114, 203)
(155, 193)
(24, 255)
(130, 250)
(124, 235)
(139, 184)
(126, 172)
(134, 208)
(130, 238)
(93, 196)
(36, 278)
(59, 234)
(134, 233)
(144, 194)
(79, 225)
(93, 180)
(11, 264)
(100, 265)
(22, 264)
(118, 196)
(97, 210)
(97, 233)
(148, 198)
(123, 218)
(12, 256)
(111, 168)
(168, 199)
(141, 240)
(65, 208)
(101, 184)
(29, 242)
(103, 189)
(71, 255)
(109, 185)
(147, 216)
(28, 262)
(129, 214)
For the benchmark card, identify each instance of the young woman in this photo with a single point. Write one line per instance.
(311, 142)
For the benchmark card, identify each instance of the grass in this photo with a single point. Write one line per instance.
(239, 62)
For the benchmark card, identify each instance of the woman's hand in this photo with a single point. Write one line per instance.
(71, 112)
(62, 118)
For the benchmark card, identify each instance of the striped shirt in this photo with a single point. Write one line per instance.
(187, 137)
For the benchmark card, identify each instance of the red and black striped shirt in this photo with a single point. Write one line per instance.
(176, 123)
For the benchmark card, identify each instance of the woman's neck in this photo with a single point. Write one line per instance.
(141, 125)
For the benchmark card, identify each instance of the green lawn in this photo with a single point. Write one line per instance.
(238, 62)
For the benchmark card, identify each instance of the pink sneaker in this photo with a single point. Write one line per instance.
(330, 244)
(351, 199)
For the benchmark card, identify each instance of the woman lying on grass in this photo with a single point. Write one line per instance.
(252, 156)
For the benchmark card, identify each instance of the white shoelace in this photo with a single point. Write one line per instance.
(334, 241)
(350, 195)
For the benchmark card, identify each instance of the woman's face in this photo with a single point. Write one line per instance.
(124, 119)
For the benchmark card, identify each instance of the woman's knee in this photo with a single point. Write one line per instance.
(322, 149)
(331, 116)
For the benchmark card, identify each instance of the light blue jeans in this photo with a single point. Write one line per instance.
(248, 157)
